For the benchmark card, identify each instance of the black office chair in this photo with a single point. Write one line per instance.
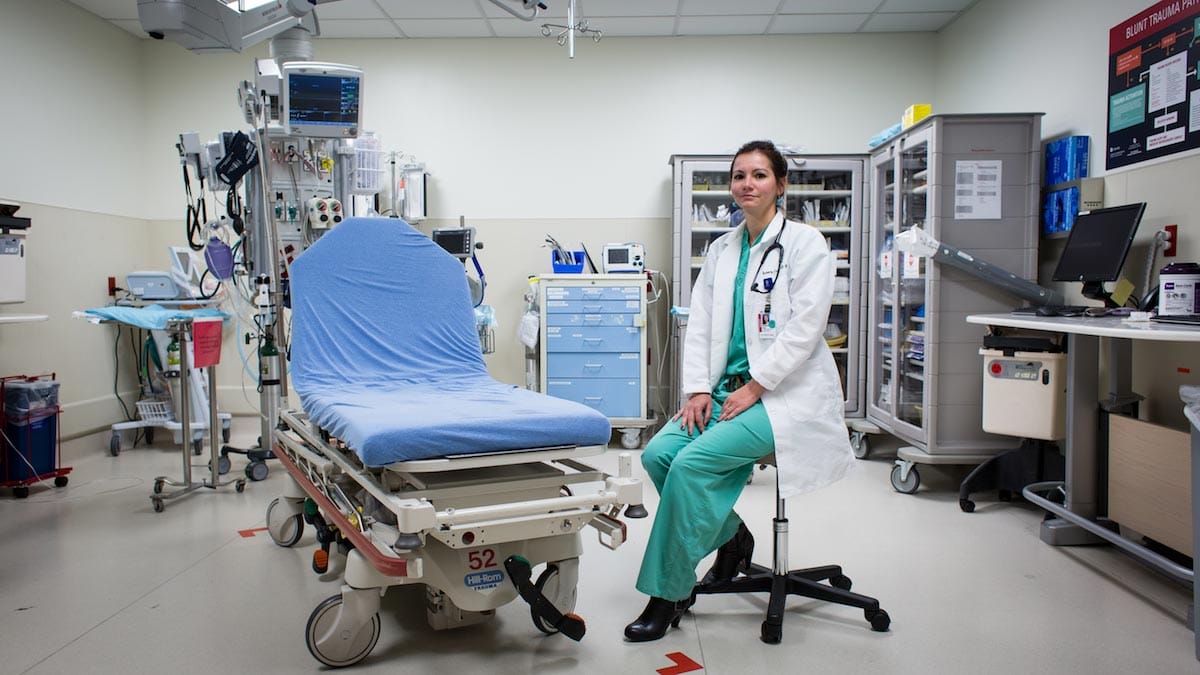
(781, 582)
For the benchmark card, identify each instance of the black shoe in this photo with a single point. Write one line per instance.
(652, 623)
(733, 557)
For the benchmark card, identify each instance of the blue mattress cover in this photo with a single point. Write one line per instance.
(385, 354)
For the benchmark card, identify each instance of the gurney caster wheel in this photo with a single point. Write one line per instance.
(21, 492)
(223, 464)
(158, 487)
(60, 481)
(114, 444)
(563, 599)
(158, 505)
(257, 471)
(339, 645)
(284, 531)
(197, 446)
(240, 486)
(226, 432)
(148, 434)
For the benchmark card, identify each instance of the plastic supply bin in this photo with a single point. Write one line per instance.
(567, 267)
(1024, 394)
(30, 418)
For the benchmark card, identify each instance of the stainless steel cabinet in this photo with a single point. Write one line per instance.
(970, 181)
(825, 191)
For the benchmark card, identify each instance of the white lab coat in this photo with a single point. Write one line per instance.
(804, 399)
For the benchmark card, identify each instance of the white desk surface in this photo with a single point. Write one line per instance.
(22, 318)
(1103, 326)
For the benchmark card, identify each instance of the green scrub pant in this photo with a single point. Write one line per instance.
(699, 478)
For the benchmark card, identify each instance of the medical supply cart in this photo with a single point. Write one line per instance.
(593, 347)
(972, 182)
(29, 412)
(825, 191)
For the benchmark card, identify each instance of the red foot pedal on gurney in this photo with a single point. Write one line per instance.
(520, 572)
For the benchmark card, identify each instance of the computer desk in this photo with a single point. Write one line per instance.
(1077, 518)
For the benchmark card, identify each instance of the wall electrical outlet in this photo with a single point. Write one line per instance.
(1172, 230)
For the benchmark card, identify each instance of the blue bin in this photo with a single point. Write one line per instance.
(31, 427)
(561, 267)
(33, 441)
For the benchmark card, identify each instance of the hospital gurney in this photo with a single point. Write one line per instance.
(412, 464)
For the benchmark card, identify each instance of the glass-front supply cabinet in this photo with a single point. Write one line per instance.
(825, 191)
(970, 181)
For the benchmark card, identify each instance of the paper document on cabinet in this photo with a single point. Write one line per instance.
(977, 191)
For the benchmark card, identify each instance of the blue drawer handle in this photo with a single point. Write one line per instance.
(593, 366)
(593, 339)
(592, 318)
(593, 398)
(596, 307)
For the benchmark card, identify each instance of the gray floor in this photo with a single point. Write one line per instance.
(93, 580)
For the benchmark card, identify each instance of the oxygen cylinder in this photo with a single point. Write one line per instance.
(173, 356)
(268, 360)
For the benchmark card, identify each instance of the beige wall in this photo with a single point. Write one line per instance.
(519, 139)
(70, 129)
(1031, 55)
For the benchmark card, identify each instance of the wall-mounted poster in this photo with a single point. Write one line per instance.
(1154, 84)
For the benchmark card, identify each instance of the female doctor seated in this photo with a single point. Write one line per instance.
(758, 378)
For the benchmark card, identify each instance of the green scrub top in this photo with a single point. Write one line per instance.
(736, 360)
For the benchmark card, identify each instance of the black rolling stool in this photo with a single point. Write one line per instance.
(781, 582)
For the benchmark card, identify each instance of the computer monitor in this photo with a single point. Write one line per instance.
(1097, 246)
(321, 100)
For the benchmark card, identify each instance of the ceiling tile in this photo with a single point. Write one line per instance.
(828, 6)
(625, 7)
(726, 7)
(634, 26)
(925, 5)
(358, 28)
(110, 9)
(908, 23)
(557, 9)
(796, 24)
(444, 28)
(515, 28)
(430, 9)
(349, 9)
(723, 25)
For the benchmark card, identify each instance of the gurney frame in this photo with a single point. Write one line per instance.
(455, 524)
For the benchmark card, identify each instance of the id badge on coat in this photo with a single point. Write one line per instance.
(766, 325)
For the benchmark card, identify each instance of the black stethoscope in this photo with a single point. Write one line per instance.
(768, 282)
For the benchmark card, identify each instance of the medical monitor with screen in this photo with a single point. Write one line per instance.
(1096, 248)
(322, 100)
(458, 242)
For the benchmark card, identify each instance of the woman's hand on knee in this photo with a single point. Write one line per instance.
(741, 400)
(695, 413)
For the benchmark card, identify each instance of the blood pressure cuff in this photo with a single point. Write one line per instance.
(240, 156)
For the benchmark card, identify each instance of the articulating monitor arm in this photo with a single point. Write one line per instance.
(917, 241)
(206, 26)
